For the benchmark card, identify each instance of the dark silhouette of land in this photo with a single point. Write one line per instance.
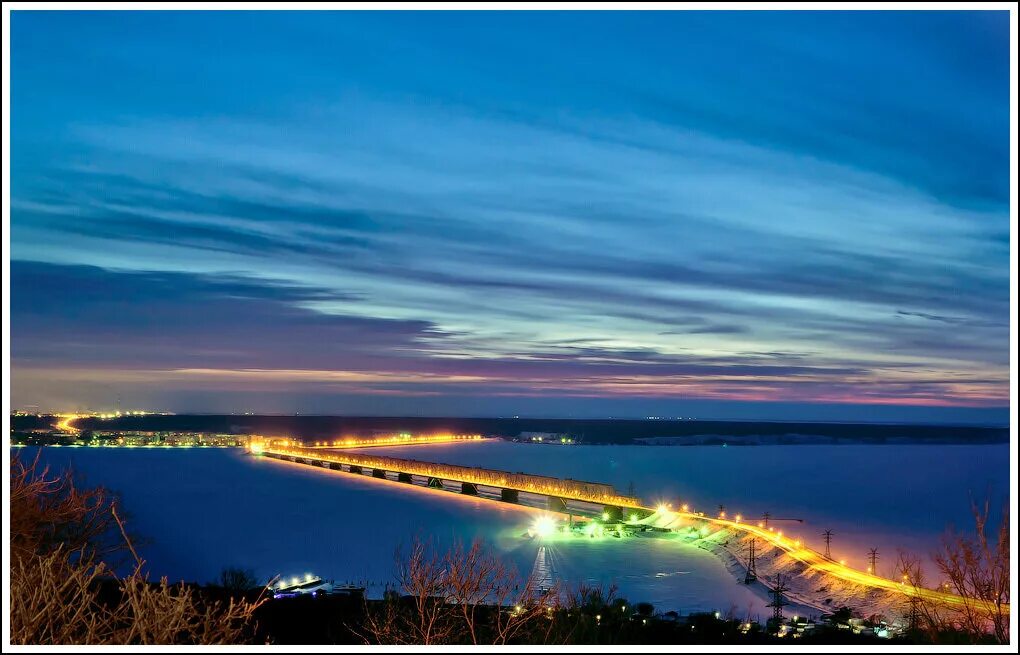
(589, 431)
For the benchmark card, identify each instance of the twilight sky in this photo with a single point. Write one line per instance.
(717, 214)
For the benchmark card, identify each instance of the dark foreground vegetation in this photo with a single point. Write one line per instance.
(68, 542)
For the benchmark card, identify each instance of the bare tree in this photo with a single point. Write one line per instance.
(57, 590)
(976, 568)
(976, 571)
(51, 512)
(457, 596)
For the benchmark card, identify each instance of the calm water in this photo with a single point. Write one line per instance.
(202, 510)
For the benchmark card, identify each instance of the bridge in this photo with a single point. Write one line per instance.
(508, 485)
(558, 491)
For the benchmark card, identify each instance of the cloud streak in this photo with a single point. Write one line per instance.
(537, 235)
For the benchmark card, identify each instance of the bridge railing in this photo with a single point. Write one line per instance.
(593, 492)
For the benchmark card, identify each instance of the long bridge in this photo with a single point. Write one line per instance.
(508, 485)
(557, 491)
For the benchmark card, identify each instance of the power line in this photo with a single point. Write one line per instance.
(778, 601)
(752, 571)
(828, 539)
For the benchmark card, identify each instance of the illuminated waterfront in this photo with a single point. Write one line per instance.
(293, 518)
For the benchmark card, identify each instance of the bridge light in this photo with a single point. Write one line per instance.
(684, 507)
(544, 526)
(605, 516)
(661, 507)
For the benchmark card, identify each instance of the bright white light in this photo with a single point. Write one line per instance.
(544, 526)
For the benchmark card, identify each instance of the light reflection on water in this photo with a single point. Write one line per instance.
(204, 510)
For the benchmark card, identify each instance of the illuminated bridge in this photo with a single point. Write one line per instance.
(508, 485)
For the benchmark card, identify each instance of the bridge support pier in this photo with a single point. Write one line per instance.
(556, 504)
(404, 477)
(379, 473)
(509, 496)
(353, 468)
(468, 489)
(435, 483)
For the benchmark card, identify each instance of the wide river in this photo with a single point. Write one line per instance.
(202, 510)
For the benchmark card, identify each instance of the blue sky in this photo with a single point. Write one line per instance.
(757, 214)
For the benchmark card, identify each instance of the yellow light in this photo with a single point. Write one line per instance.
(842, 562)
(738, 518)
(256, 449)
(661, 507)
(684, 507)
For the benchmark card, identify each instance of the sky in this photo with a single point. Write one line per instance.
(776, 215)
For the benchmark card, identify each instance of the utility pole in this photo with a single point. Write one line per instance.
(778, 601)
(873, 556)
(766, 516)
(752, 571)
(828, 539)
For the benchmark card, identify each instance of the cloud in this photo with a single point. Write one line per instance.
(172, 331)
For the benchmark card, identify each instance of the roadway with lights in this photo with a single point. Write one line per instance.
(661, 517)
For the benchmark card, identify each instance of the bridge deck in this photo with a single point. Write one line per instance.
(592, 492)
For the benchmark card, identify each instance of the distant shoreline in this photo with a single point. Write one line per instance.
(579, 431)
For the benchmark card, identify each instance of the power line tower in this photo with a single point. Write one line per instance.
(873, 557)
(766, 516)
(778, 601)
(828, 540)
(752, 571)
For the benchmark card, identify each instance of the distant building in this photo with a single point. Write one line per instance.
(546, 437)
